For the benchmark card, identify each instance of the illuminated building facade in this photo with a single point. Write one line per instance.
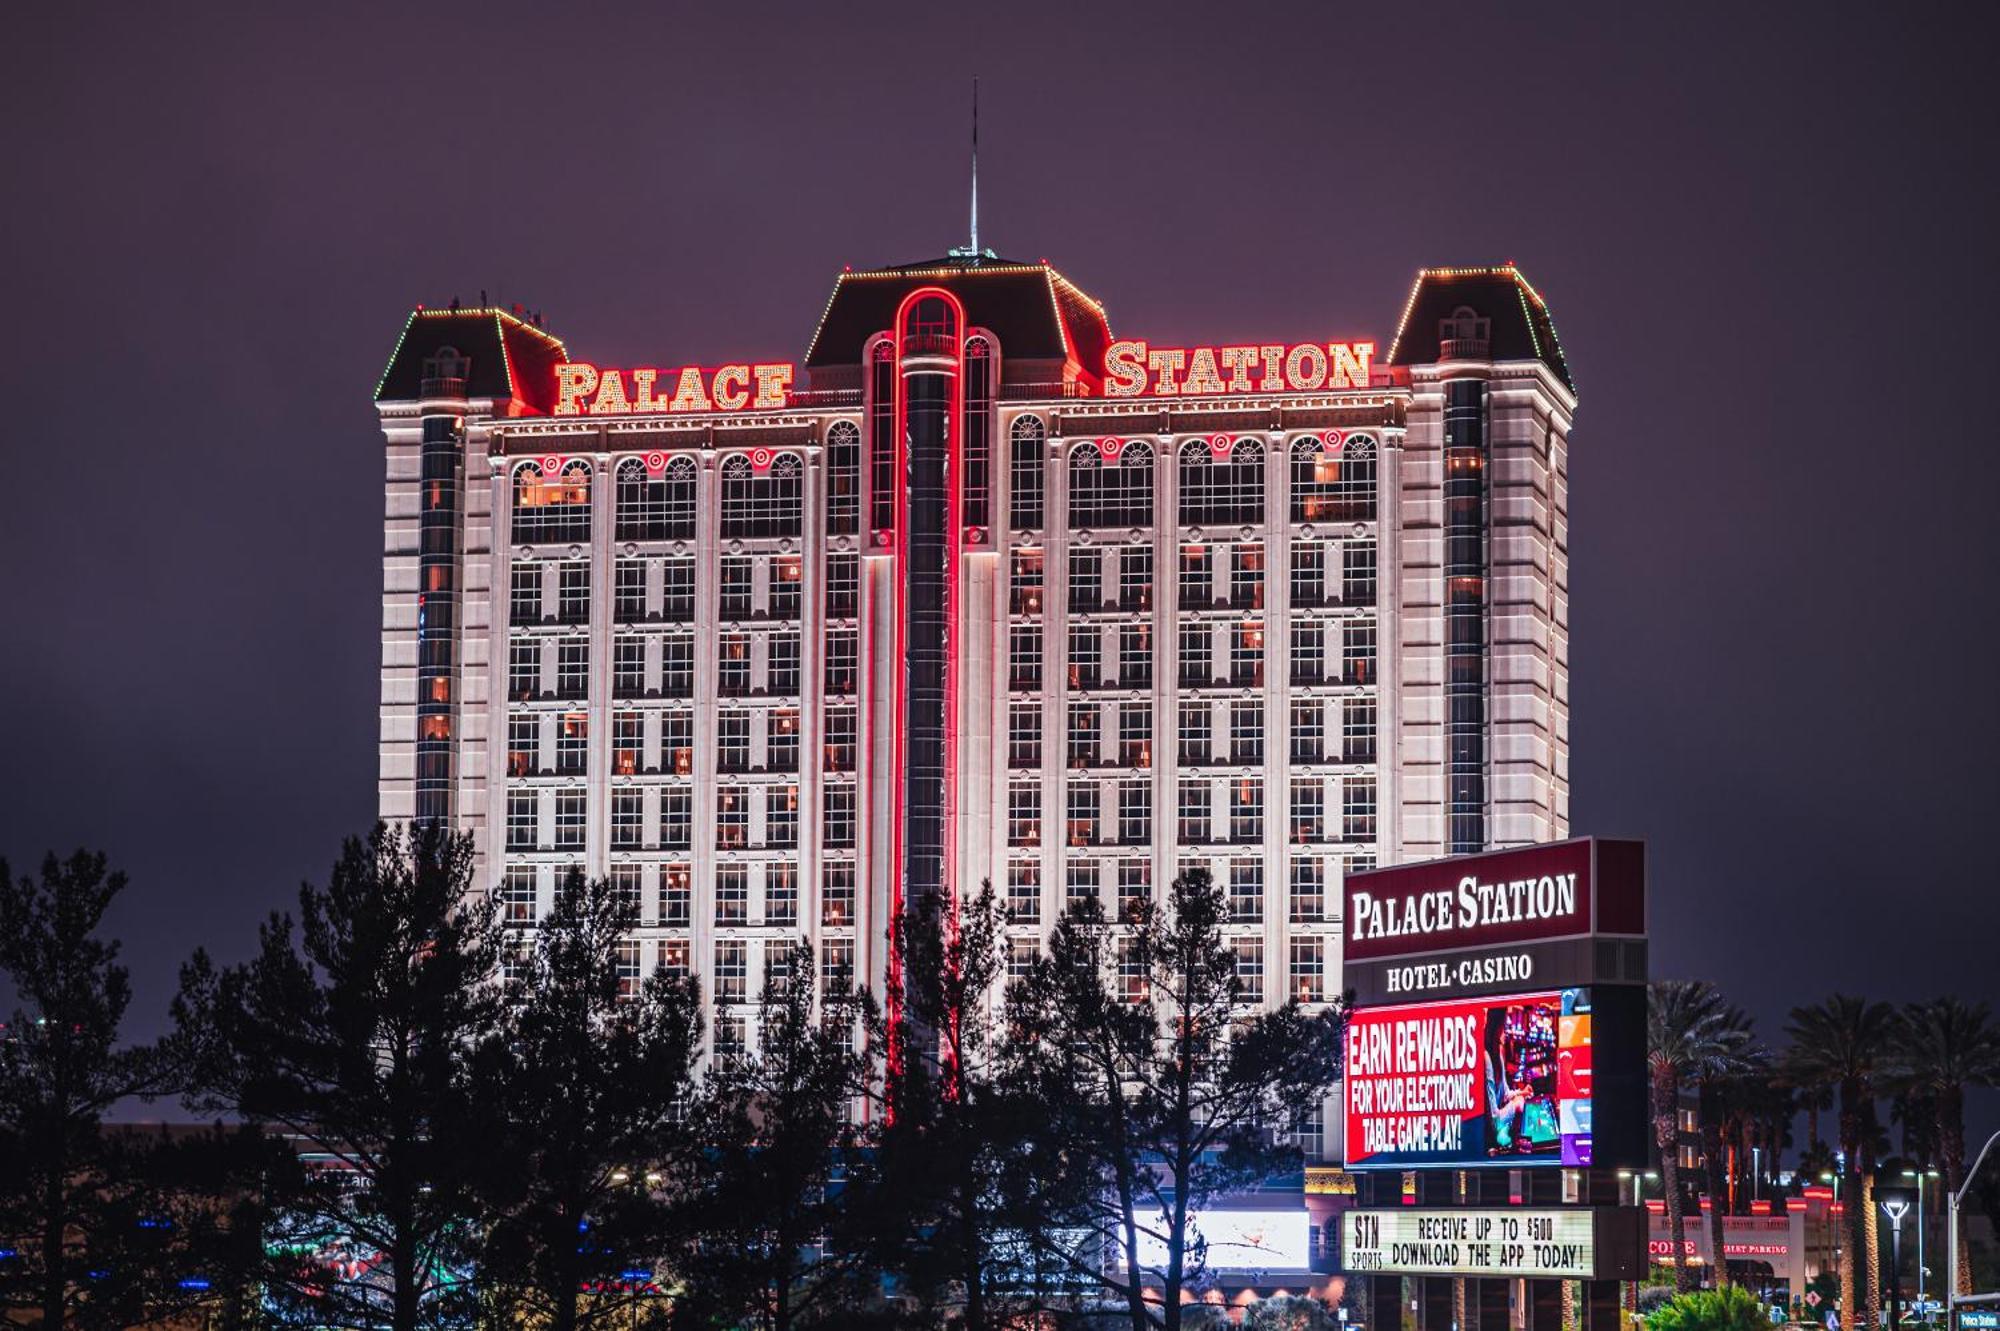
(978, 593)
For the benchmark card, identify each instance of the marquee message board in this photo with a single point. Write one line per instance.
(1473, 1083)
(1563, 1244)
(1562, 889)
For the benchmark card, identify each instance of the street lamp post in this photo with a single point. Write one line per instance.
(1895, 1208)
(1923, 1296)
(1951, 1228)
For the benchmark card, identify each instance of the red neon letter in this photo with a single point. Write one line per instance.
(1125, 369)
(573, 382)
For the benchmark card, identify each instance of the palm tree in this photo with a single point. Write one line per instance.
(1845, 1045)
(1692, 1034)
(1948, 1045)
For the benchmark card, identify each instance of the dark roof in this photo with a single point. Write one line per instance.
(1036, 312)
(1521, 326)
(511, 359)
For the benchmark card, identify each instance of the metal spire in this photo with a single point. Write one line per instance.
(972, 250)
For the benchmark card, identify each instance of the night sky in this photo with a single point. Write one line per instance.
(1764, 232)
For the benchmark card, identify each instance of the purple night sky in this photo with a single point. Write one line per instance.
(1764, 232)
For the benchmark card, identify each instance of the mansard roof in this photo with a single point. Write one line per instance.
(1521, 326)
(511, 359)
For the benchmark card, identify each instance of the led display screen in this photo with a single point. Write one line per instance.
(1488, 1082)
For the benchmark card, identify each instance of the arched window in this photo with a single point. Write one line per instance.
(978, 430)
(656, 508)
(1222, 491)
(843, 479)
(1111, 491)
(762, 507)
(1024, 508)
(552, 510)
(1354, 492)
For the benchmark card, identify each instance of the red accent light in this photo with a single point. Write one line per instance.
(1220, 446)
(656, 464)
(551, 466)
(1334, 441)
(1760, 1208)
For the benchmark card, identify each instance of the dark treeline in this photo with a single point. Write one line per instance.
(1847, 1056)
(426, 1119)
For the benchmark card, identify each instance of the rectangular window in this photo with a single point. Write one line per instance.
(1135, 578)
(732, 894)
(781, 894)
(842, 748)
(1306, 987)
(1357, 808)
(572, 743)
(1197, 588)
(1308, 811)
(628, 591)
(628, 967)
(677, 742)
(1197, 655)
(628, 665)
(843, 661)
(1024, 814)
(732, 740)
(1308, 731)
(1246, 576)
(1086, 579)
(1135, 734)
(1024, 657)
(676, 899)
(1308, 651)
(1357, 730)
(1246, 890)
(524, 668)
(1357, 651)
(677, 582)
(1084, 804)
(732, 818)
(570, 807)
(1246, 654)
(524, 593)
(517, 895)
(781, 816)
(677, 665)
(1249, 969)
(733, 582)
(628, 819)
(781, 673)
(674, 957)
(1132, 978)
(781, 741)
(1021, 954)
(1135, 656)
(837, 970)
(1086, 657)
(625, 886)
(676, 818)
(1308, 890)
(1197, 734)
(1135, 812)
(837, 833)
(628, 740)
(843, 586)
(1308, 573)
(1246, 810)
(733, 664)
(1357, 573)
(1196, 801)
(1024, 735)
(1025, 583)
(1081, 885)
(1246, 732)
(732, 975)
(1135, 887)
(786, 574)
(1084, 736)
(1024, 891)
(573, 591)
(572, 668)
(524, 743)
(836, 901)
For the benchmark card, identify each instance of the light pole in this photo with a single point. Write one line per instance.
(1951, 1228)
(1920, 1175)
(1894, 1208)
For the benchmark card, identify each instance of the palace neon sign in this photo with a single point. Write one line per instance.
(1135, 369)
(582, 389)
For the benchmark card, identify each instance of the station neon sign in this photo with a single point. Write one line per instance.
(582, 389)
(1137, 369)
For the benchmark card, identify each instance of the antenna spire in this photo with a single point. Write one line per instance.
(971, 250)
(975, 165)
